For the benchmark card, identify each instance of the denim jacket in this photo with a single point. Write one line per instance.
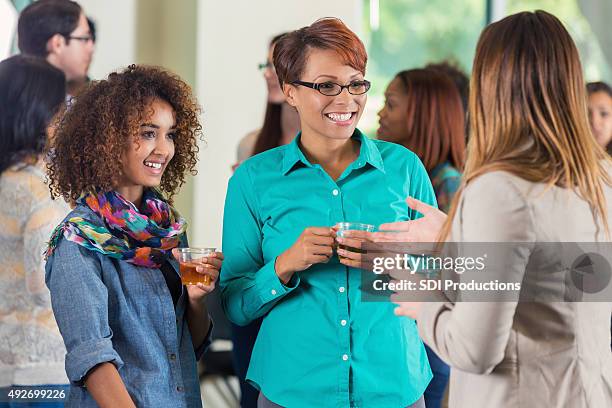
(109, 310)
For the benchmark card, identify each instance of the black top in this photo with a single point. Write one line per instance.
(173, 281)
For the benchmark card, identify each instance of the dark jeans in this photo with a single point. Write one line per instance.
(435, 390)
(243, 338)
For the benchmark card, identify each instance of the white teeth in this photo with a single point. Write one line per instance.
(339, 117)
(153, 165)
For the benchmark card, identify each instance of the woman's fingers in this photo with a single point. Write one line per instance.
(420, 206)
(394, 236)
(318, 249)
(344, 253)
(199, 290)
(408, 309)
(218, 255)
(350, 243)
(212, 262)
(350, 262)
(355, 259)
(399, 311)
(208, 269)
(213, 273)
(320, 240)
(395, 226)
(316, 259)
(206, 288)
(320, 231)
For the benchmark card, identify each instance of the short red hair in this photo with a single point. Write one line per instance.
(291, 50)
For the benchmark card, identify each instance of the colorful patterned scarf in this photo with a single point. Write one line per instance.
(141, 238)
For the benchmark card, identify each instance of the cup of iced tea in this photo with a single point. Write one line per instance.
(342, 227)
(189, 260)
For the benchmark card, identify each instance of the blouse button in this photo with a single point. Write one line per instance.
(341, 289)
(335, 191)
(273, 292)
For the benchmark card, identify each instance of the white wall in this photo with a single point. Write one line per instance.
(498, 9)
(8, 25)
(166, 36)
(233, 37)
(115, 34)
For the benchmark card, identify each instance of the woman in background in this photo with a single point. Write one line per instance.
(599, 103)
(31, 347)
(457, 75)
(281, 121)
(281, 124)
(600, 113)
(423, 112)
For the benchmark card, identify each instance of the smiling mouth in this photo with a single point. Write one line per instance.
(340, 117)
(153, 165)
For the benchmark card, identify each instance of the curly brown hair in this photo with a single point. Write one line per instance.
(85, 153)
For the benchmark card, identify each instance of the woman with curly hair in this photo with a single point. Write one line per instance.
(132, 332)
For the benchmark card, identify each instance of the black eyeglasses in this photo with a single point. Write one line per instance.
(329, 88)
(265, 65)
(84, 38)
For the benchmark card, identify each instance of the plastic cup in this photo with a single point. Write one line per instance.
(352, 226)
(189, 260)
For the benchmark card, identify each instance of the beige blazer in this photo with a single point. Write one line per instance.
(509, 354)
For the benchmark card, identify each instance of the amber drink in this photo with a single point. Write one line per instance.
(189, 260)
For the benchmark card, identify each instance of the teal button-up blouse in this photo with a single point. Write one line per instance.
(320, 345)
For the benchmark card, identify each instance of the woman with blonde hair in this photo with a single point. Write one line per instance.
(534, 174)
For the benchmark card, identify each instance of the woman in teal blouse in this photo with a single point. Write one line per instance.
(320, 344)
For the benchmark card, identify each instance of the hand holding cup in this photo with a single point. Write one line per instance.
(199, 269)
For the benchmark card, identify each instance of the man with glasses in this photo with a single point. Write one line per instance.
(58, 31)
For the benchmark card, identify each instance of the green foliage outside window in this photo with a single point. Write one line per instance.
(413, 33)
